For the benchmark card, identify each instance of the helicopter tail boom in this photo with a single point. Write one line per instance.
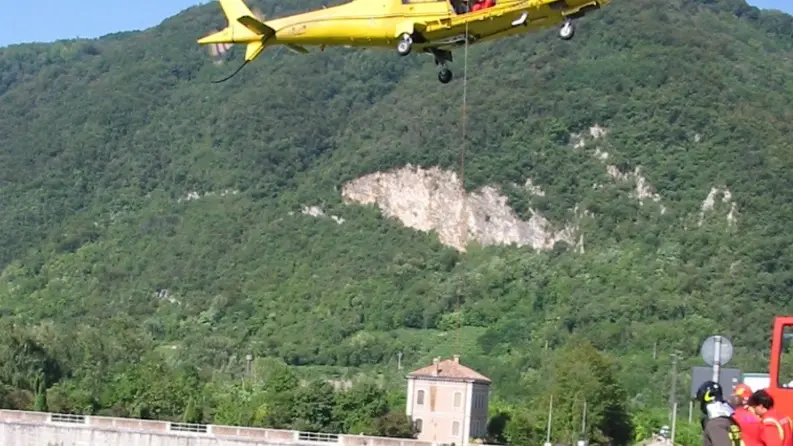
(243, 27)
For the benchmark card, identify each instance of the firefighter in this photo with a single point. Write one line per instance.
(718, 426)
(776, 430)
(749, 422)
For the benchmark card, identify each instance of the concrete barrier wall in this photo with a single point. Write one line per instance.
(31, 435)
(20, 428)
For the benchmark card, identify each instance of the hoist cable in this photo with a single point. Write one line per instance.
(464, 216)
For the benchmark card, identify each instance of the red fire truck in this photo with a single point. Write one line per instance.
(781, 365)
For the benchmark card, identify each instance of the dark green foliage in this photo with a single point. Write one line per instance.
(139, 302)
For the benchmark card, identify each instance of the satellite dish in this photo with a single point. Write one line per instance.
(708, 350)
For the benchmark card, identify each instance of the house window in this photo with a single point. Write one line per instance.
(417, 425)
(420, 398)
(456, 428)
(458, 399)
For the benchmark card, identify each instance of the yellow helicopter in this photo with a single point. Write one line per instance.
(429, 26)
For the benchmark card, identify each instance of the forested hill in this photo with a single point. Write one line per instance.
(152, 222)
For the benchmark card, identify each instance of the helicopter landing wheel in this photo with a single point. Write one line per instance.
(567, 31)
(445, 75)
(404, 46)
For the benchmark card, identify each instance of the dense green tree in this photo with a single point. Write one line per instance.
(577, 379)
(359, 408)
(523, 430)
(312, 406)
(394, 424)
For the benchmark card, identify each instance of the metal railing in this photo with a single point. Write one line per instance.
(188, 427)
(317, 437)
(67, 418)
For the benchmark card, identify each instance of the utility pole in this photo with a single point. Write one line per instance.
(673, 392)
(247, 373)
(550, 415)
(717, 359)
(584, 440)
(399, 361)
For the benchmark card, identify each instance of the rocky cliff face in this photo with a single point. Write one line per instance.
(434, 200)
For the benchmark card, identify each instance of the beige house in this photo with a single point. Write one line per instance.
(448, 402)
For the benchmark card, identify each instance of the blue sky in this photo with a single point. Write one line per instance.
(59, 19)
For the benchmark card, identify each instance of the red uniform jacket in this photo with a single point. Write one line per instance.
(751, 426)
(776, 429)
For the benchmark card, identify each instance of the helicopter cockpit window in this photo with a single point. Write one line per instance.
(785, 373)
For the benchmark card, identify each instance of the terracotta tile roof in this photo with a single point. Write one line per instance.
(450, 369)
